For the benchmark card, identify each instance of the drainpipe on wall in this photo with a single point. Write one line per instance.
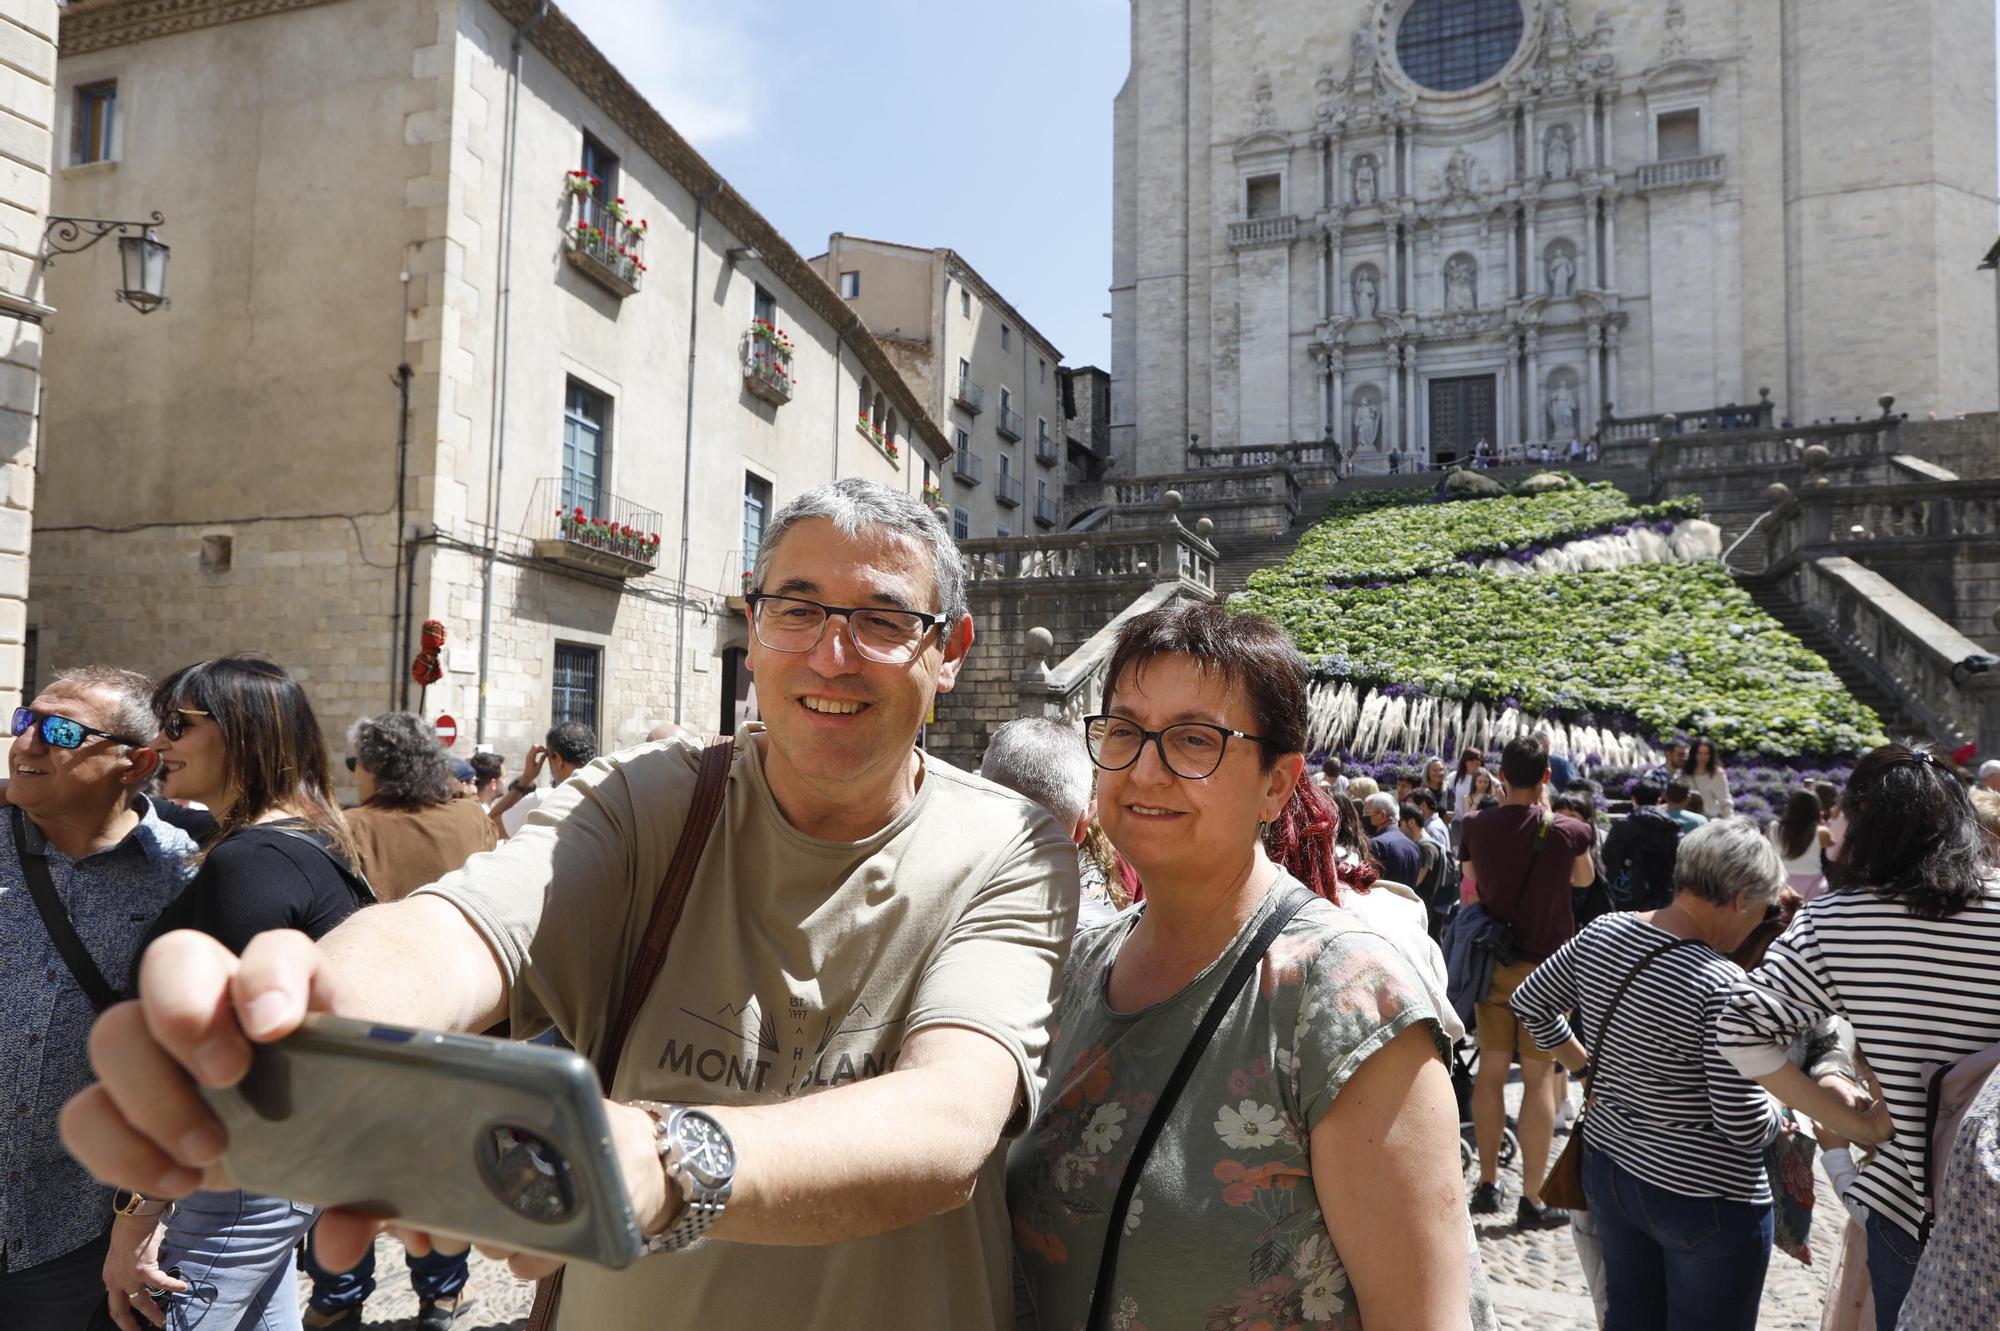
(839, 343)
(687, 450)
(399, 620)
(496, 461)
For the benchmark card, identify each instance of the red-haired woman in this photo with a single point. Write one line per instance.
(1258, 1202)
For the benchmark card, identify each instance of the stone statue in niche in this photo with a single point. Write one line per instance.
(1365, 295)
(1364, 182)
(1363, 51)
(1562, 412)
(1562, 274)
(1367, 425)
(1561, 155)
(1560, 27)
(1458, 173)
(1460, 284)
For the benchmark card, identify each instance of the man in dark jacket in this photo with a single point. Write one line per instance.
(1639, 852)
(1396, 852)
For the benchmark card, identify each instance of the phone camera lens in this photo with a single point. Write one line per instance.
(528, 1174)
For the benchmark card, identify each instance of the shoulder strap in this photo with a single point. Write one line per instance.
(1611, 1011)
(1163, 1106)
(668, 904)
(62, 930)
(357, 882)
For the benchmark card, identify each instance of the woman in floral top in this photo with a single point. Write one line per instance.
(1308, 1175)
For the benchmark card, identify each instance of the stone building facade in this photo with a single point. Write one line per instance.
(987, 375)
(27, 151)
(1407, 225)
(417, 367)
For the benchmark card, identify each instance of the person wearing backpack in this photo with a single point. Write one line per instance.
(1903, 947)
(1639, 851)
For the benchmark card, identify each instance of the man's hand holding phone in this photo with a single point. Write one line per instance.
(146, 1125)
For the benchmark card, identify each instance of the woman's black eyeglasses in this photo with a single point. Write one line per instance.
(60, 732)
(1191, 750)
(176, 723)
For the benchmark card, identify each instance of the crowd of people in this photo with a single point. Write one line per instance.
(1144, 1025)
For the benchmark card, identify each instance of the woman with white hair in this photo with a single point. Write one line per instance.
(1674, 1136)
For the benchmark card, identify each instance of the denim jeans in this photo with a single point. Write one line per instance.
(1675, 1263)
(1892, 1265)
(433, 1276)
(234, 1249)
(57, 1295)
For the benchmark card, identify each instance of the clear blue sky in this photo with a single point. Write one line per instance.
(982, 126)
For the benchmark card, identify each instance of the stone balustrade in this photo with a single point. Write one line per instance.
(1165, 553)
(1074, 688)
(1263, 231)
(1908, 650)
(1245, 499)
(1676, 171)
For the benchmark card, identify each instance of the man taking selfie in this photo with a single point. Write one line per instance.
(854, 998)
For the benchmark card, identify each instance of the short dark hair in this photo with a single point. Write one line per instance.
(1679, 789)
(1489, 801)
(1332, 768)
(487, 767)
(401, 752)
(1424, 797)
(1410, 813)
(573, 742)
(1912, 836)
(1647, 790)
(1405, 774)
(1524, 762)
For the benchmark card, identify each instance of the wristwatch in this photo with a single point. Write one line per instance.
(521, 788)
(700, 1162)
(126, 1202)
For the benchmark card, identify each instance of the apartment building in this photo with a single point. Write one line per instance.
(979, 367)
(461, 329)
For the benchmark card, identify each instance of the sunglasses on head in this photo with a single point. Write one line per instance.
(176, 723)
(60, 732)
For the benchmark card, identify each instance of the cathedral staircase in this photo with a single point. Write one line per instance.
(1238, 556)
(1770, 595)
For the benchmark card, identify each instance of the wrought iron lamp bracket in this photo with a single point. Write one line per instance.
(63, 234)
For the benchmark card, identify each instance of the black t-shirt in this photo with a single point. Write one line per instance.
(261, 878)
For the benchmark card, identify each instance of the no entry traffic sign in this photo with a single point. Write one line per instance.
(447, 731)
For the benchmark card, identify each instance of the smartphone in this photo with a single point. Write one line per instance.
(489, 1140)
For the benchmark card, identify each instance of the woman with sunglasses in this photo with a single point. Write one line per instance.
(237, 735)
(1306, 1173)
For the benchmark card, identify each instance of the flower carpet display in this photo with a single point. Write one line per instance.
(1434, 625)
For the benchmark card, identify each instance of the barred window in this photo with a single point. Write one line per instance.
(1451, 45)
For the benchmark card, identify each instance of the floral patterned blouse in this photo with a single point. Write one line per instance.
(1225, 1230)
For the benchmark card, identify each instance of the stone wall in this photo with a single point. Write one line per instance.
(27, 116)
(1966, 445)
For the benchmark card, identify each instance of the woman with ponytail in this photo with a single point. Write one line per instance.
(1257, 1195)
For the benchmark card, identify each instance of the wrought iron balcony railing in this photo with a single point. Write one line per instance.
(593, 530)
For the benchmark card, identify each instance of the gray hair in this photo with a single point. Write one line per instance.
(1045, 760)
(1727, 859)
(402, 753)
(853, 505)
(1383, 802)
(131, 698)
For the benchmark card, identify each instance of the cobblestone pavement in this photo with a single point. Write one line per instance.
(1536, 1280)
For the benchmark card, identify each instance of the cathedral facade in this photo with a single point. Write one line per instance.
(1407, 226)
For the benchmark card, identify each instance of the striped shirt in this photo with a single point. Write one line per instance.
(1916, 992)
(1667, 1107)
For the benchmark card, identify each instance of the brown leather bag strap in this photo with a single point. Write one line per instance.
(668, 906)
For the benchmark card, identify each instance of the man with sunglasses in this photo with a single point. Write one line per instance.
(85, 867)
(851, 1014)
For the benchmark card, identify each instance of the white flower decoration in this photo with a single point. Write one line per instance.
(1250, 1126)
(1320, 1297)
(1134, 1212)
(1104, 1129)
(1314, 1252)
(1071, 1169)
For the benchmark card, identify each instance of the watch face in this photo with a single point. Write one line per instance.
(706, 1148)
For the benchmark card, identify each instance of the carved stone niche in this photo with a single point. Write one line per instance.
(1365, 291)
(1461, 283)
(1365, 430)
(1364, 180)
(1559, 269)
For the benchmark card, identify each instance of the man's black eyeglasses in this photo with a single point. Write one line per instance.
(1191, 750)
(794, 624)
(60, 732)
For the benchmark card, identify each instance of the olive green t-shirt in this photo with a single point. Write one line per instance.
(799, 965)
(1225, 1229)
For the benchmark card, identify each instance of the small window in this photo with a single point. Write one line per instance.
(1006, 338)
(961, 525)
(850, 285)
(960, 441)
(965, 302)
(574, 697)
(1680, 134)
(602, 163)
(217, 553)
(1042, 369)
(766, 306)
(1041, 493)
(1006, 402)
(96, 122)
(1041, 429)
(964, 369)
(1003, 463)
(1263, 196)
(756, 510)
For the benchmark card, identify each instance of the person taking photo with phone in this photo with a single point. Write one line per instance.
(237, 735)
(85, 866)
(870, 939)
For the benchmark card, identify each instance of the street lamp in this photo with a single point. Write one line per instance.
(142, 255)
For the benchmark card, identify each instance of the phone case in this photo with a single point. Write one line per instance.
(490, 1140)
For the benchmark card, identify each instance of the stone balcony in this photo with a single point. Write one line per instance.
(1262, 231)
(1010, 425)
(1676, 172)
(592, 531)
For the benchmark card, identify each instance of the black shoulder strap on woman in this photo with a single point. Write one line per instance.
(1611, 1011)
(1163, 1106)
(357, 882)
(35, 869)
